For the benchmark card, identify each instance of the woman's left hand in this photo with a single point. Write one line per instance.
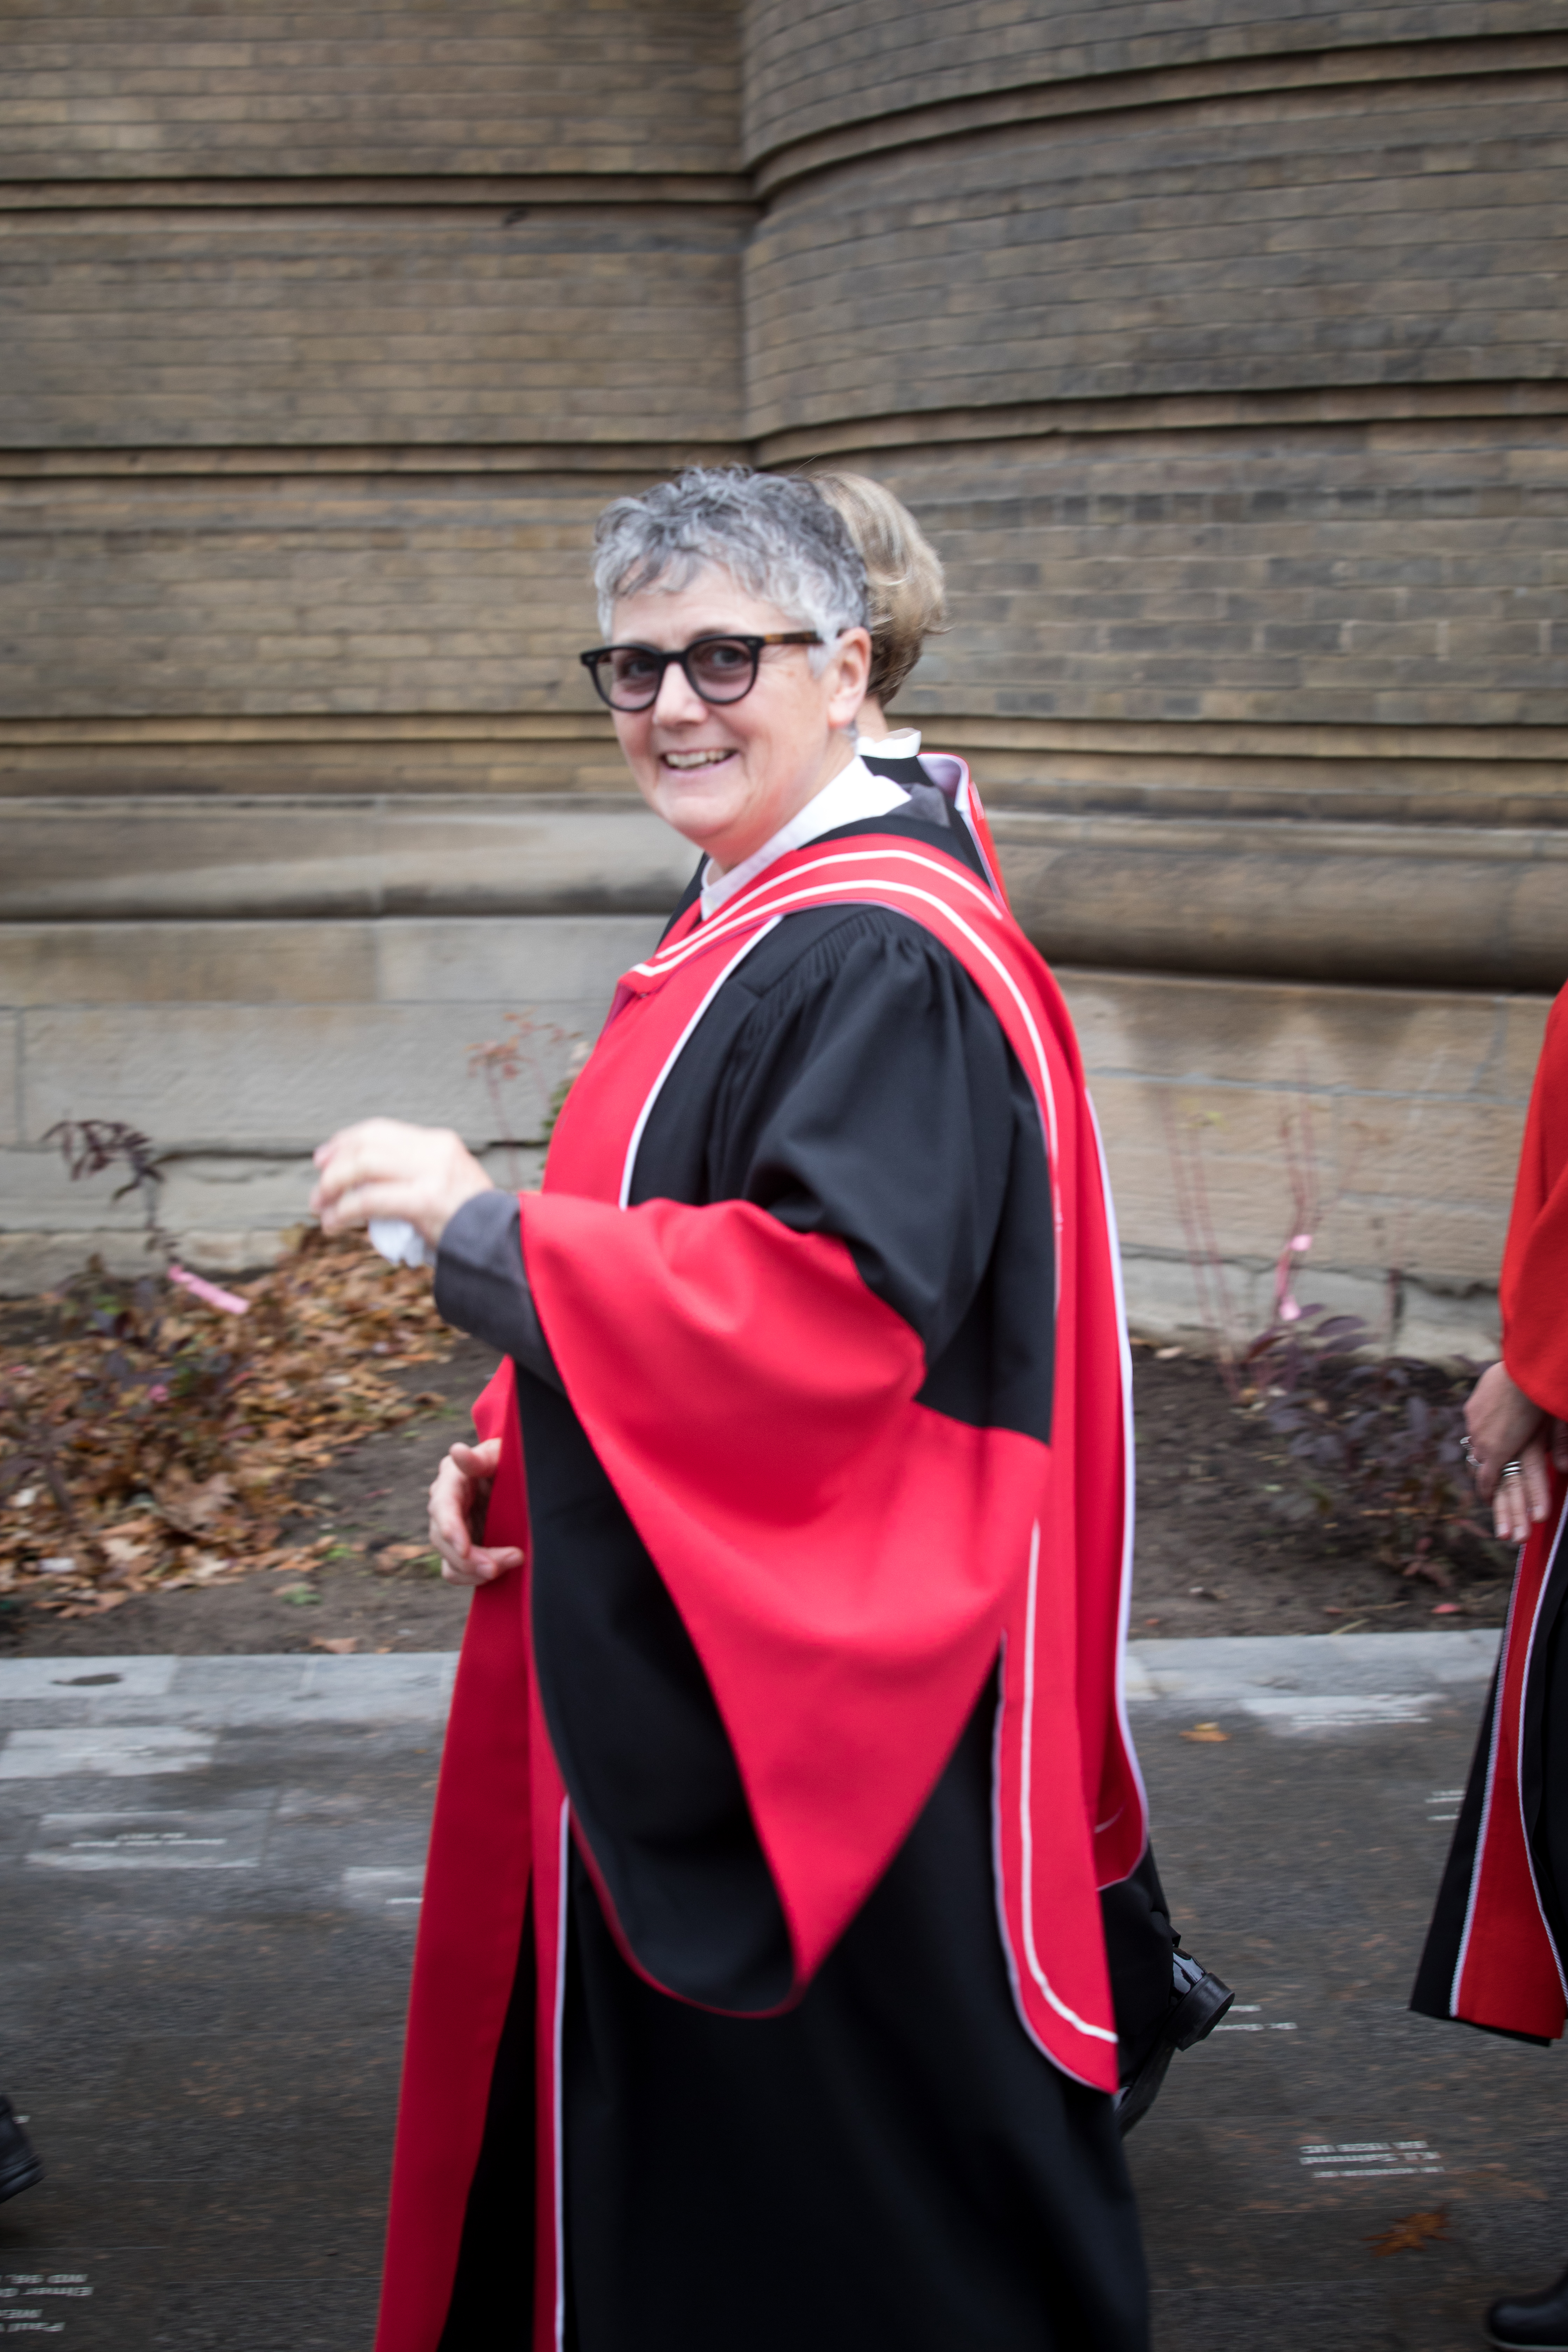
(1502, 1420)
(383, 1168)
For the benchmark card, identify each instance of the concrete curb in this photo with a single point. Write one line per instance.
(1312, 1681)
(1292, 1678)
(227, 1692)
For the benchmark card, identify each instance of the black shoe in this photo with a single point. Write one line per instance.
(1198, 2002)
(1532, 2323)
(19, 2168)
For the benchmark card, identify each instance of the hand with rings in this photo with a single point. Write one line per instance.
(1522, 1494)
(1508, 1429)
(1499, 1421)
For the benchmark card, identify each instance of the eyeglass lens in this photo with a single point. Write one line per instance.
(721, 669)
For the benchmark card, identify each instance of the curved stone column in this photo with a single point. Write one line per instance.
(1222, 355)
(1225, 364)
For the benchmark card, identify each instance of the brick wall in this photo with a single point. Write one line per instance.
(238, 598)
(386, 324)
(1412, 582)
(121, 90)
(1376, 235)
(1413, 578)
(813, 66)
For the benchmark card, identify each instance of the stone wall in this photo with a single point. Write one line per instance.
(1219, 351)
(116, 91)
(819, 67)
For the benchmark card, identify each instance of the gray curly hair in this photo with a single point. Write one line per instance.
(774, 534)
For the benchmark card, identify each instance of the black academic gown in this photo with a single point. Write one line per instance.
(890, 2161)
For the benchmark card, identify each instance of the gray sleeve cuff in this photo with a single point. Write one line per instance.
(482, 1287)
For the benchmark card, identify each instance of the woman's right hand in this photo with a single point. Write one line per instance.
(457, 1498)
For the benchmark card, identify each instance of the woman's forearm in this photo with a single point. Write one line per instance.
(481, 1286)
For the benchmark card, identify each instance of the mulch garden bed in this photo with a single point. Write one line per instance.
(294, 1519)
(1224, 1544)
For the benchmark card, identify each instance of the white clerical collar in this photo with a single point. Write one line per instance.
(855, 793)
(903, 743)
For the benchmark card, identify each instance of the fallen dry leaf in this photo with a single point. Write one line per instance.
(190, 1508)
(124, 1551)
(1412, 2230)
(1205, 1731)
(206, 1566)
(342, 1645)
(148, 1440)
(93, 1605)
(398, 1555)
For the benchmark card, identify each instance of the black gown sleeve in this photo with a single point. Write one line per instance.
(481, 1286)
(852, 1081)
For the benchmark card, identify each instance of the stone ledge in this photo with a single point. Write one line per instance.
(167, 859)
(113, 190)
(1481, 776)
(1440, 905)
(1406, 906)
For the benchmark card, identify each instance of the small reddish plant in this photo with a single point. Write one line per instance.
(89, 1146)
(1373, 1437)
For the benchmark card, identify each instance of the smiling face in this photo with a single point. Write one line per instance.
(729, 776)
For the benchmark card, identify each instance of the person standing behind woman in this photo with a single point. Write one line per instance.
(1497, 1950)
(1165, 1999)
(906, 600)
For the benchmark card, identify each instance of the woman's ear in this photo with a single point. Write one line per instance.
(848, 673)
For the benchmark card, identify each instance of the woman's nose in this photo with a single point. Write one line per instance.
(676, 701)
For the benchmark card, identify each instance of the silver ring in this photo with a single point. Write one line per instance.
(1472, 1459)
(1510, 1470)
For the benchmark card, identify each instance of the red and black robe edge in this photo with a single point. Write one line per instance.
(1496, 1952)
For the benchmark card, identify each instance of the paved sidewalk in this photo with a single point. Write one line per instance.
(1301, 1855)
(209, 1874)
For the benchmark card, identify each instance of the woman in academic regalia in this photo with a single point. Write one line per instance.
(761, 1997)
(1496, 1952)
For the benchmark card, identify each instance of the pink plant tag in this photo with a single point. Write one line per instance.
(1287, 1309)
(209, 1292)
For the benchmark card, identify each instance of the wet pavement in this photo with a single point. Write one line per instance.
(209, 1878)
(1322, 2121)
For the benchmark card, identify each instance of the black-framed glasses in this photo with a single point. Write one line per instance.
(720, 669)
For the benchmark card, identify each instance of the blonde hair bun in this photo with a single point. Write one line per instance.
(906, 592)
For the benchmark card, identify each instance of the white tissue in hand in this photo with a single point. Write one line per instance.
(399, 1242)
